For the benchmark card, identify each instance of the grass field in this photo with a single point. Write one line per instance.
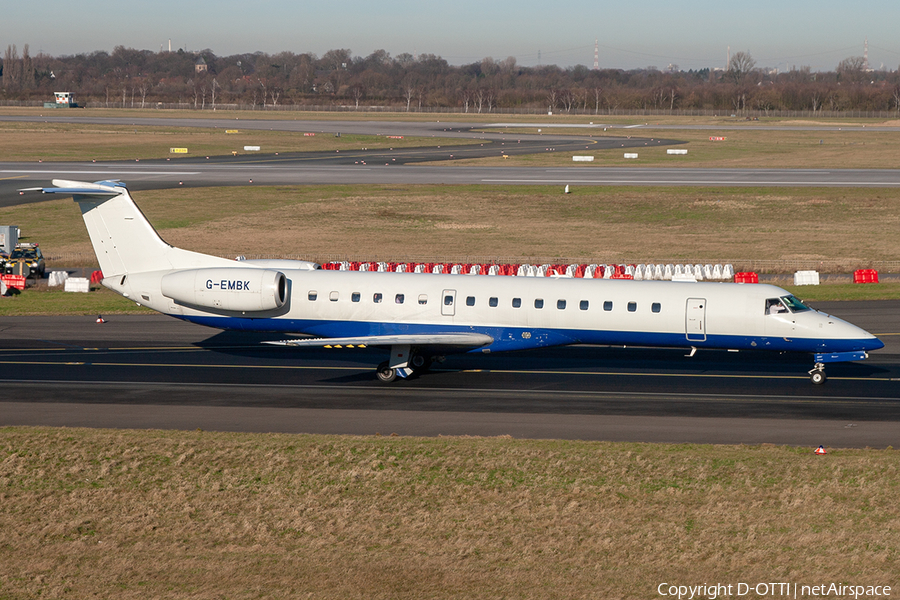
(781, 229)
(591, 224)
(746, 144)
(77, 142)
(152, 514)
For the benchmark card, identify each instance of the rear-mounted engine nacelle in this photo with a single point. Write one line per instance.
(238, 289)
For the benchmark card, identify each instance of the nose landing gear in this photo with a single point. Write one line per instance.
(817, 374)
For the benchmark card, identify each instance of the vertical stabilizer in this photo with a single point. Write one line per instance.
(123, 239)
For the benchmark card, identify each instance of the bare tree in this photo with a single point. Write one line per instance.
(740, 66)
(143, 87)
(851, 69)
(409, 89)
(357, 92)
(215, 84)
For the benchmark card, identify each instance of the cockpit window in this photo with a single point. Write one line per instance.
(775, 307)
(784, 305)
(794, 304)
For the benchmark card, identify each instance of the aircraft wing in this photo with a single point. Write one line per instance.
(461, 340)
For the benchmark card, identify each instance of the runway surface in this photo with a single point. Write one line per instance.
(153, 371)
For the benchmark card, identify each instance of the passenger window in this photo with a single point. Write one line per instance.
(448, 300)
(377, 298)
(517, 303)
(470, 301)
(492, 302)
(333, 296)
(561, 304)
(539, 303)
(423, 298)
(632, 306)
(607, 306)
(354, 297)
(313, 295)
(398, 299)
(583, 305)
(655, 307)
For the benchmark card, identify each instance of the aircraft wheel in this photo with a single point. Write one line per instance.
(817, 377)
(420, 363)
(385, 374)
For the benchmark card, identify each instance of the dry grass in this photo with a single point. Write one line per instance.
(85, 142)
(207, 515)
(855, 226)
(744, 148)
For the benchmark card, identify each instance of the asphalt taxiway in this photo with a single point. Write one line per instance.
(153, 371)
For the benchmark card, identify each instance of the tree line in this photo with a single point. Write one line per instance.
(128, 77)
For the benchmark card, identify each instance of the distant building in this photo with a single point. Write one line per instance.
(200, 65)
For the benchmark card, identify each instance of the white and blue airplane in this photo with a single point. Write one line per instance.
(421, 316)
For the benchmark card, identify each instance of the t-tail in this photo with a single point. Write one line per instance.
(124, 240)
(139, 265)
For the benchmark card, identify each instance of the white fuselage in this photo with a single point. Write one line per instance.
(524, 312)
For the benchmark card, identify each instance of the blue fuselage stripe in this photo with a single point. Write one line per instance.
(519, 338)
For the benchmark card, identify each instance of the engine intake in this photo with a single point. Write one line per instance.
(225, 288)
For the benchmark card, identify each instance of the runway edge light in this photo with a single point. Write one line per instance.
(820, 450)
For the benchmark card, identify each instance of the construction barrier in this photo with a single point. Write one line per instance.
(14, 281)
(648, 272)
(865, 276)
(78, 284)
(806, 278)
(56, 278)
(746, 277)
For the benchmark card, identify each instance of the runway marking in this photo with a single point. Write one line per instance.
(699, 375)
(395, 390)
(16, 177)
(725, 182)
(112, 170)
(499, 371)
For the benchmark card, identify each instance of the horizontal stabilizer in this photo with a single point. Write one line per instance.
(101, 189)
(464, 340)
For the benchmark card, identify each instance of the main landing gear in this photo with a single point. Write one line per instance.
(817, 374)
(414, 365)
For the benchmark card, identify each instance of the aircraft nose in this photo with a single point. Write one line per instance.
(873, 343)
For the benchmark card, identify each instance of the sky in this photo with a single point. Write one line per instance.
(689, 35)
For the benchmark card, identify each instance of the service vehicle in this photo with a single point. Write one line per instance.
(26, 260)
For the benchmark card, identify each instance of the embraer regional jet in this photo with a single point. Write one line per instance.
(421, 316)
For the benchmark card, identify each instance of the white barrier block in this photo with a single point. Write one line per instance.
(583, 159)
(676, 151)
(78, 284)
(57, 278)
(631, 155)
(251, 148)
(806, 278)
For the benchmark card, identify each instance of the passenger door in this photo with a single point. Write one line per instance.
(695, 320)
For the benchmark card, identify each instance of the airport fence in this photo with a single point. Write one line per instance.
(517, 110)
